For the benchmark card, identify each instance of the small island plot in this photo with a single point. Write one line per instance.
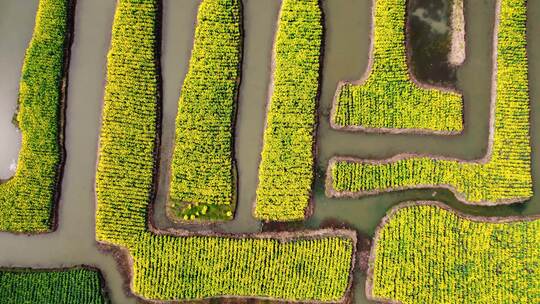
(80, 285)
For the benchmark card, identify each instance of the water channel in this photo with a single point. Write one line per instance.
(346, 55)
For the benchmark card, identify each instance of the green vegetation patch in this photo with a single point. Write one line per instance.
(202, 170)
(78, 285)
(504, 175)
(310, 266)
(286, 169)
(426, 254)
(388, 98)
(27, 200)
(304, 267)
(128, 141)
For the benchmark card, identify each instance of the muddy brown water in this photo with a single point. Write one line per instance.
(346, 53)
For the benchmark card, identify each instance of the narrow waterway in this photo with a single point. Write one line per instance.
(346, 53)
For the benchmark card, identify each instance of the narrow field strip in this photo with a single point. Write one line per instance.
(179, 265)
(286, 168)
(426, 253)
(388, 98)
(203, 173)
(46, 286)
(503, 176)
(27, 201)
(299, 266)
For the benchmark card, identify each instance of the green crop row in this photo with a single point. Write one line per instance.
(27, 200)
(128, 140)
(296, 266)
(78, 285)
(202, 168)
(426, 254)
(302, 268)
(286, 169)
(389, 98)
(505, 175)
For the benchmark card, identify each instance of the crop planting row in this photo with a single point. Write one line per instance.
(286, 169)
(202, 170)
(295, 266)
(128, 139)
(388, 97)
(427, 254)
(78, 285)
(303, 268)
(28, 199)
(504, 175)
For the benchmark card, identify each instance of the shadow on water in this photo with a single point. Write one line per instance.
(346, 54)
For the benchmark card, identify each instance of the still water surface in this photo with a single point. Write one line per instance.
(346, 54)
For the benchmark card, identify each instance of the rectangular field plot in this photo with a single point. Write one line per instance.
(77, 285)
(287, 161)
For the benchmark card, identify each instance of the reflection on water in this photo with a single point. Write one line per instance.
(430, 40)
(436, 18)
(16, 25)
(346, 54)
